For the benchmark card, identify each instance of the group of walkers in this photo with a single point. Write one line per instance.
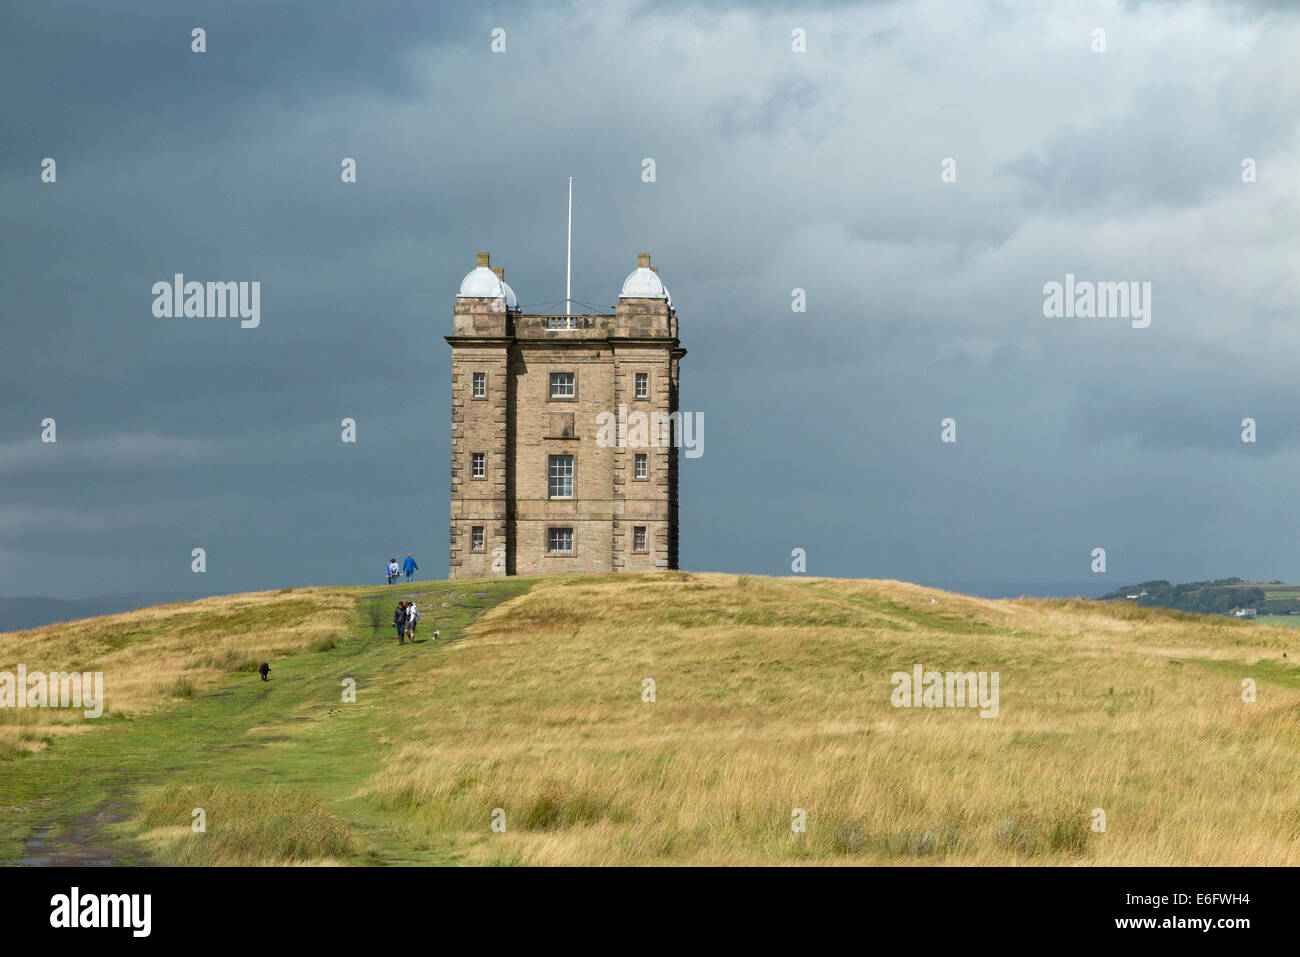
(405, 615)
(405, 618)
(394, 571)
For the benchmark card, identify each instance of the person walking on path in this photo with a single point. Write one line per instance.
(399, 622)
(392, 570)
(409, 566)
(412, 617)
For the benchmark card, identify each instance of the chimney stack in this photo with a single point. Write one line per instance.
(643, 260)
(655, 270)
(500, 272)
(484, 259)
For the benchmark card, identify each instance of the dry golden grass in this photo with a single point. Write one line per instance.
(773, 694)
(244, 828)
(151, 656)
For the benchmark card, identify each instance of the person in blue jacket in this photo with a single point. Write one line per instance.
(409, 566)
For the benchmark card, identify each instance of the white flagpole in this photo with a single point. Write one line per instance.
(568, 267)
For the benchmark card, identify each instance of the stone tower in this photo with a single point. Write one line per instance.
(546, 474)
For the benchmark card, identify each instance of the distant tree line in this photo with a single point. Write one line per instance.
(1217, 597)
(1280, 606)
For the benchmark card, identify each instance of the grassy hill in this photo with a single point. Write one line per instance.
(770, 695)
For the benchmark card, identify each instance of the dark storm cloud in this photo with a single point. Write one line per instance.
(775, 170)
(123, 74)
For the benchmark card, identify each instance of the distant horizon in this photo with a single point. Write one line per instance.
(1048, 587)
(19, 612)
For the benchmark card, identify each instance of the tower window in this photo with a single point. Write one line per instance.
(480, 385)
(478, 465)
(642, 465)
(639, 538)
(559, 541)
(560, 477)
(476, 538)
(563, 385)
(643, 385)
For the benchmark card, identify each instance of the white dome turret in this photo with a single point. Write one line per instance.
(483, 282)
(644, 282)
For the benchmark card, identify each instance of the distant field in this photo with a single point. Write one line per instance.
(1288, 621)
(772, 699)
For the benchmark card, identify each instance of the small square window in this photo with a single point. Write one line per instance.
(639, 539)
(642, 465)
(643, 385)
(478, 465)
(476, 538)
(560, 477)
(563, 385)
(559, 541)
(480, 385)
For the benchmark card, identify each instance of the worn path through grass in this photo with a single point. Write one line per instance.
(245, 751)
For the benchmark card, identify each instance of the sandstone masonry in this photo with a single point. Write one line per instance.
(532, 489)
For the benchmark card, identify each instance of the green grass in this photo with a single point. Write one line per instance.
(1282, 621)
(292, 737)
(1272, 670)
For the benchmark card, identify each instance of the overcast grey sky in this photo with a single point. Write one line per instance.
(775, 170)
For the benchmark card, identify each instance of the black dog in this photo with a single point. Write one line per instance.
(264, 670)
